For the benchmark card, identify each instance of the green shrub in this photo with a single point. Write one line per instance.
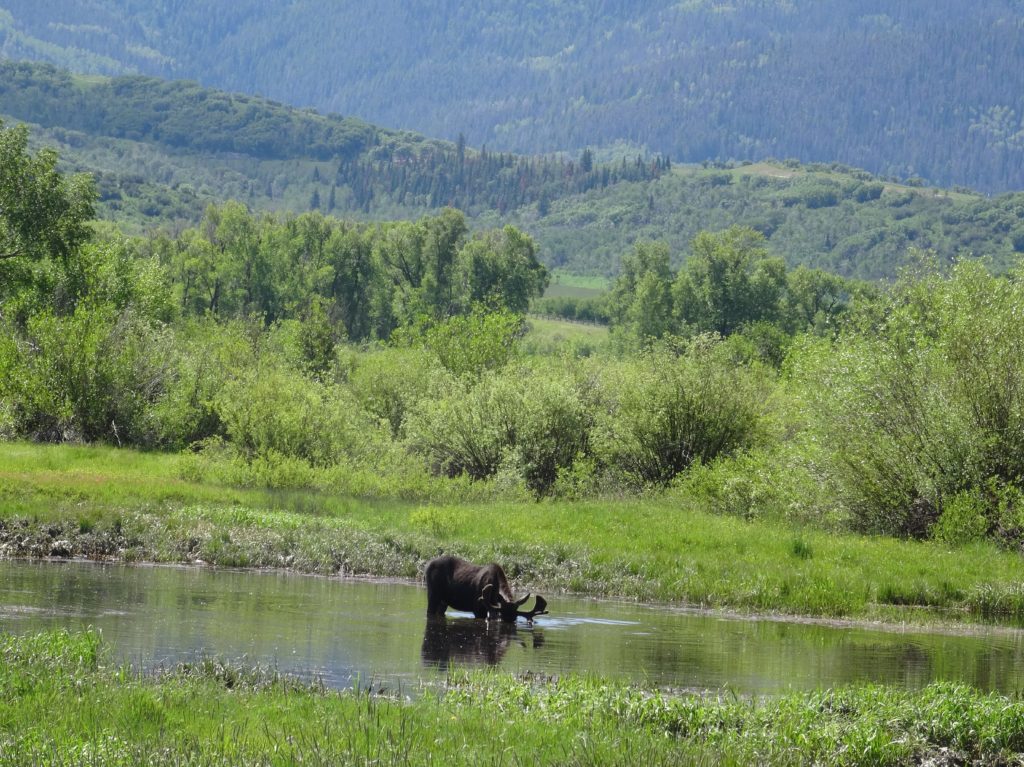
(964, 519)
(528, 421)
(391, 383)
(923, 401)
(662, 412)
(93, 375)
(270, 411)
(204, 356)
(470, 345)
(468, 431)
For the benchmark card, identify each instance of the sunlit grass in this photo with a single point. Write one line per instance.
(565, 283)
(62, 704)
(546, 335)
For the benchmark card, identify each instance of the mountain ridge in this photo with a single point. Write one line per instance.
(928, 88)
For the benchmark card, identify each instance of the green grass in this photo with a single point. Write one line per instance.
(61, 703)
(565, 283)
(546, 335)
(118, 504)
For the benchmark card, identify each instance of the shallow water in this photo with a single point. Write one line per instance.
(355, 632)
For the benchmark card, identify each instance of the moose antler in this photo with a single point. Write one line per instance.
(540, 608)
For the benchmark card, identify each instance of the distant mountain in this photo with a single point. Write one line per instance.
(162, 151)
(926, 88)
(273, 156)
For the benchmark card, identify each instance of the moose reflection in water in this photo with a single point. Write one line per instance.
(469, 641)
(479, 589)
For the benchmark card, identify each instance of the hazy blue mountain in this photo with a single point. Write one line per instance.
(928, 88)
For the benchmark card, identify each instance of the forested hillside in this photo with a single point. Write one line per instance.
(370, 167)
(823, 216)
(928, 88)
(162, 151)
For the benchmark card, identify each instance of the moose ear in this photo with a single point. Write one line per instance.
(485, 596)
(521, 602)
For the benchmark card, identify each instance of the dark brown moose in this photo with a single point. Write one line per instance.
(479, 589)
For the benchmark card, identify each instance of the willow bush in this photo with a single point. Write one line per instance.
(665, 409)
(94, 374)
(531, 421)
(922, 403)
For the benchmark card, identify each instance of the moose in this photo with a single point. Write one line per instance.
(479, 589)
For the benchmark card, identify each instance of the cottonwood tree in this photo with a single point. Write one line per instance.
(43, 214)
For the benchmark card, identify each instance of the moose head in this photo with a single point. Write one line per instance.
(500, 607)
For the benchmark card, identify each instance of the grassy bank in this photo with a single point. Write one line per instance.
(106, 503)
(62, 704)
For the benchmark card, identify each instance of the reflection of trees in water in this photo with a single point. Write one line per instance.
(471, 641)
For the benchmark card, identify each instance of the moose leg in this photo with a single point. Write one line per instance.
(436, 605)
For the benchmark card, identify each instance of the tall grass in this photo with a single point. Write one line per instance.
(62, 705)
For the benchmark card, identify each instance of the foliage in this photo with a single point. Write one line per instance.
(664, 411)
(728, 284)
(43, 214)
(593, 217)
(502, 269)
(729, 281)
(923, 404)
(533, 422)
(354, 166)
(269, 411)
(91, 375)
(364, 280)
(393, 383)
(640, 300)
(259, 340)
(473, 344)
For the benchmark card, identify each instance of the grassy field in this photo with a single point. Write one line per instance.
(63, 704)
(107, 503)
(547, 335)
(565, 283)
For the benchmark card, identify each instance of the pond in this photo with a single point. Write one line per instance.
(351, 632)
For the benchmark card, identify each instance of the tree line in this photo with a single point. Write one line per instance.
(583, 213)
(370, 164)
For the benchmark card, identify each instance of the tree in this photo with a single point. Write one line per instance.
(587, 160)
(641, 298)
(44, 215)
(814, 298)
(500, 268)
(729, 280)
